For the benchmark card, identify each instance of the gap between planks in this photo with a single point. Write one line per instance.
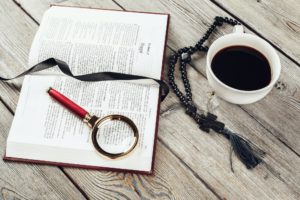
(20, 6)
(6, 106)
(74, 183)
(192, 171)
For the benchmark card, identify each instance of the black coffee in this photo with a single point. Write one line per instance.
(242, 67)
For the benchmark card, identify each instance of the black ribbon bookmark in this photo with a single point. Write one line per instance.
(93, 77)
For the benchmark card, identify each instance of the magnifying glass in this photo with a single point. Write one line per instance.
(113, 136)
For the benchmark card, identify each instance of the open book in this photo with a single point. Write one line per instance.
(90, 40)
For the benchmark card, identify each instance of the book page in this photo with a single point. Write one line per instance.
(44, 130)
(94, 40)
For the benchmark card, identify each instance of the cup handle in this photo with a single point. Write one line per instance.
(238, 29)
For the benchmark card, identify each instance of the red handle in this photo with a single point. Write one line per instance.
(67, 103)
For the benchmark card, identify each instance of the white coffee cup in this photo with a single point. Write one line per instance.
(239, 38)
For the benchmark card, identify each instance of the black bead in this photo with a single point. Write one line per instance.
(190, 109)
(191, 51)
(172, 83)
(171, 78)
(198, 46)
(173, 57)
(170, 73)
(185, 103)
(219, 19)
(186, 83)
(188, 94)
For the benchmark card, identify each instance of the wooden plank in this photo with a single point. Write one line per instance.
(109, 185)
(208, 154)
(208, 160)
(22, 181)
(214, 176)
(279, 112)
(171, 180)
(215, 169)
(278, 21)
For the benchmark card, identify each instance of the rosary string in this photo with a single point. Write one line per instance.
(250, 155)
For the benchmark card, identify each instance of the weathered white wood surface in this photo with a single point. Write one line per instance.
(190, 164)
(25, 181)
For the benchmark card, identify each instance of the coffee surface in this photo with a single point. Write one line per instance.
(242, 68)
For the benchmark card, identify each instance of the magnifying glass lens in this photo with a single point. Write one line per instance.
(115, 136)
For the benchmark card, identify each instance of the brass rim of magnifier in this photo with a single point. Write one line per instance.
(122, 118)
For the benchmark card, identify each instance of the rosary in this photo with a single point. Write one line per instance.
(247, 152)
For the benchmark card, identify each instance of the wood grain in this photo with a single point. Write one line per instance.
(206, 154)
(109, 185)
(171, 180)
(24, 181)
(278, 21)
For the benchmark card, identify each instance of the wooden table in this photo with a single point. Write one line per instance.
(190, 164)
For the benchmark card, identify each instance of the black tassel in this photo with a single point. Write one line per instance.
(246, 151)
